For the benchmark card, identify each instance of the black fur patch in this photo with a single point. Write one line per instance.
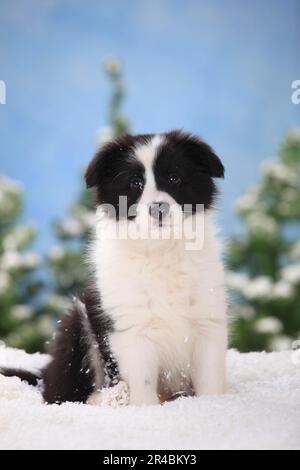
(70, 375)
(29, 377)
(112, 169)
(102, 327)
(195, 163)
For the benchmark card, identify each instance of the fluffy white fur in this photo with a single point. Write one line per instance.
(168, 305)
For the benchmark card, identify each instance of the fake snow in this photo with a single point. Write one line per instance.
(260, 411)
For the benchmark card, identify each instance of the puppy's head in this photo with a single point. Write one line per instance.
(156, 173)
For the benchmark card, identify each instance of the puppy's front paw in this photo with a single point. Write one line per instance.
(117, 395)
(114, 396)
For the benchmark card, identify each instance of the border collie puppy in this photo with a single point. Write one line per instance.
(155, 313)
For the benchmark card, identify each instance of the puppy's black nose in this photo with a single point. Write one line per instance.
(159, 210)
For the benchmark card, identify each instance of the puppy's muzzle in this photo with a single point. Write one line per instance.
(159, 210)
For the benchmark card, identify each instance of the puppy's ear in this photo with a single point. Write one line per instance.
(199, 152)
(97, 167)
(92, 174)
(210, 160)
(105, 158)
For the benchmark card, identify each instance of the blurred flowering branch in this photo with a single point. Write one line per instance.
(265, 260)
(66, 259)
(21, 321)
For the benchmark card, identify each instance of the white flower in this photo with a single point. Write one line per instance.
(280, 172)
(30, 260)
(113, 66)
(244, 311)
(259, 287)
(294, 134)
(10, 197)
(284, 207)
(237, 281)
(71, 227)
(255, 288)
(89, 219)
(280, 343)
(17, 238)
(248, 200)
(21, 312)
(262, 223)
(4, 282)
(283, 290)
(104, 135)
(11, 260)
(8, 185)
(46, 326)
(291, 273)
(58, 302)
(295, 251)
(56, 253)
(85, 216)
(269, 325)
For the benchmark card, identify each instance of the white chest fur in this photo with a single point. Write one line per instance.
(163, 300)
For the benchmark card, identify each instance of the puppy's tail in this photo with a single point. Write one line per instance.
(30, 377)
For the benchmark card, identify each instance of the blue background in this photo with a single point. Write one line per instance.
(220, 69)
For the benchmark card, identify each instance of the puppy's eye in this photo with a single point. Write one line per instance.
(174, 179)
(137, 184)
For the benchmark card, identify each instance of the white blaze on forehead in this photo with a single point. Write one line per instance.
(146, 154)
